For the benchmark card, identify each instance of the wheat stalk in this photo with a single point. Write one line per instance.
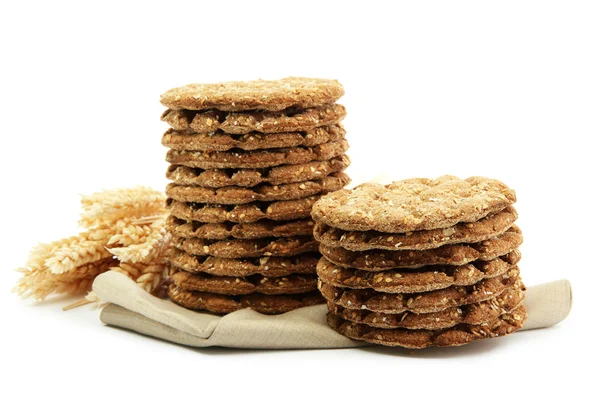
(125, 233)
(109, 206)
(39, 282)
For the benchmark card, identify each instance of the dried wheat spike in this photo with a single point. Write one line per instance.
(80, 250)
(139, 243)
(109, 206)
(39, 282)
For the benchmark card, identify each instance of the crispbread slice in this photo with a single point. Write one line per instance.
(272, 95)
(464, 232)
(262, 303)
(413, 204)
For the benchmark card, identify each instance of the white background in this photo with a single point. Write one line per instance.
(509, 90)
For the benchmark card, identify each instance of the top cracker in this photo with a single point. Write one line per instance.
(254, 95)
(413, 204)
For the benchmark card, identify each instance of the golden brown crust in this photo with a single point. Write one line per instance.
(257, 158)
(415, 280)
(420, 338)
(241, 248)
(201, 282)
(471, 232)
(428, 302)
(223, 304)
(245, 213)
(453, 254)
(217, 178)
(473, 314)
(225, 230)
(413, 204)
(189, 140)
(239, 267)
(271, 95)
(290, 120)
(263, 192)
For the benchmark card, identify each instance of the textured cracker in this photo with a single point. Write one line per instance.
(453, 254)
(473, 314)
(257, 158)
(238, 267)
(225, 230)
(420, 280)
(263, 192)
(273, 95)
(413, 204)
(188, 140)
(471, 232)
(420, 338)
(246, 213)
(428, 302)
(217, 178)
(262, 303)
(290, 120)
(201, 282)
(240, 248)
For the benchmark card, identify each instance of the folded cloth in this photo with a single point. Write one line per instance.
(134, 309)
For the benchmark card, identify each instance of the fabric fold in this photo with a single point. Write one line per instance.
(133, 309)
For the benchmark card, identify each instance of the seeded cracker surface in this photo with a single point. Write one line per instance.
(292, 120)
(413, 204)
(427, 302)
(244, 213)
(458, 335)
(291, 284)
(473, 314)
(257, 158)
(264, 192)
(254, 95)
(240, 248)
(278, 175)
(471, 232)
(223, 304)
(454, 254)
(186, 140)
(415, 281)
(254, 230)
(238, 267)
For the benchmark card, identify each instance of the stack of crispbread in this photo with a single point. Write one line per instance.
(421, 262)
(248, 161)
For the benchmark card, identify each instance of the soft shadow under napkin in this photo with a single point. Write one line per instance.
(134, 309)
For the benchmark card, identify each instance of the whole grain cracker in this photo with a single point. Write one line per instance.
(292, 284)
(420, 338)
(242, 267)
(271, 95)
(263, 192)
(223, 304)
(413, 204)
(420, 280)
(290, 120)
(224, 230)
(419, 303)
(244, 213)
(465, 232)
(257, 158)
(473, 314)
(240, 248)
(453, 254)
(189, 140)
(217, 178)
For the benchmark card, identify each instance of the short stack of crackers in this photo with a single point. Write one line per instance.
(421, 262)
(248, 161)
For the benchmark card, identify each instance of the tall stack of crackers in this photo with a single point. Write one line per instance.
(421, 262)
(248, 161)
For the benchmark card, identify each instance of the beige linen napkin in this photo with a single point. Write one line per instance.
(132, 308)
